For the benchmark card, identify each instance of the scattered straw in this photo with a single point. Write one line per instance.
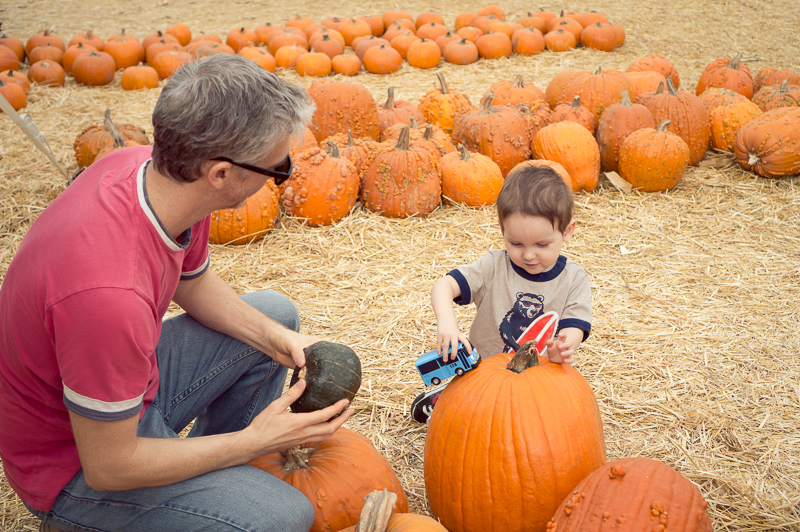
(694, 353)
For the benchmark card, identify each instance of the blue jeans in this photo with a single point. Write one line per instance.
(222, 384)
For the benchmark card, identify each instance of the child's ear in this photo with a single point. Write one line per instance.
(568, 232)
(500, 223)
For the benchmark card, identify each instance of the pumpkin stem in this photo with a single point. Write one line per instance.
(626, 99)
(734, 63)
(660, 88)
(784, 88)
(428, 135)
(753, 159)
(576, 102)
(116, 134)
(525, 358)
(412, 122)
(376, 512)
(518, 82)
(297, 457)
(465, 156)
(404, 139)
(390, 100)
(671, 87)
(599, 71)
(663, 125)
(350, 141)
(442, 82)
(486, 103)
(332, 149)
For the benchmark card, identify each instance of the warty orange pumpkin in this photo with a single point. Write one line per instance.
(653, 160)
(440, 105)
(615, 124)
(769, 145)
(342, 106)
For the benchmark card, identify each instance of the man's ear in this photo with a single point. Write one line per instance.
(217, 172)
(570, 230)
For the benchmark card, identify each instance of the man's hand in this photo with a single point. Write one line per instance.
(276, 429)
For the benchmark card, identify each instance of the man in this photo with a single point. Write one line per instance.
(94, 388)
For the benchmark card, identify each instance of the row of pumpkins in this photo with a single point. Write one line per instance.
(312, 49)
(499, 456)
(401, 159)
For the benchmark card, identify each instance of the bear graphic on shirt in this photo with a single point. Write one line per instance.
(527, 307)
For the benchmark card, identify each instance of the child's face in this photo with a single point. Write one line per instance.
(532, 242)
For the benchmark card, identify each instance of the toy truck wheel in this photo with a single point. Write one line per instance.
(435, 381)
(459, 371)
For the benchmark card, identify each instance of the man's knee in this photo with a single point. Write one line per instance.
(276, 306)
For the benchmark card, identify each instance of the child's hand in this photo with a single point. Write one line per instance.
(560, 350)
(450, 338)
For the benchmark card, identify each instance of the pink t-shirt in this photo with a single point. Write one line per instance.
(80, 318)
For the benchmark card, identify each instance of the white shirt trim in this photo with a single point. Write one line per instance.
(156, 223)
(102, 406)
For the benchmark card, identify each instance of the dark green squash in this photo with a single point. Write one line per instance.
(332, 372)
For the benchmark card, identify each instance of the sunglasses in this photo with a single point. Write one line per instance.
(280, 172)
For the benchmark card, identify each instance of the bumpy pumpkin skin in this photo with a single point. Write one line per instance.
(339, 473)
(656, 63)
(501, 453)
(774, 96)
(342, 106)
(572, 146)
(632, 495)
(332, 373)
(248, 223)
(727, 73)
(92, 139)
(769, 145)
(323, 188)
(597, 90)
(441, 105)
(727, 120)
(614, 126)
(653, 160)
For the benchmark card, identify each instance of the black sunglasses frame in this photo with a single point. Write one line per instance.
(279, 177)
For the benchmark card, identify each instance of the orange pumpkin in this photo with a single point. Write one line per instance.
(42, 39)
(375, 22)
(166, 63)
(47, 73)
(356, 150)
(774, 76)
(537, 116)
(94, 68)
(527, 41)
(87, 38)
(774, 96)
(382, 59)
(713, 98)
(438, 140)
(769, 145)
(180, 31)
(323, 188)
(397, 112)
(518, 403)
(342, 106)
(494, 45)
(302, 143)
(688, 117)
(560, 41)
(424, 53)
(314, 64)
(597, 90)
(401, 180)
(346, 64)
(554, 94)
(501, 133)
(94, 138)
(74, 51)
(239, 38)
(461, 52)
(365, 44)
(727, 73)
(259, 56)
(656, 63)
(726, 121)
(47, 52)
(472, 179)
(599, 36)
(248, 223)
(126, 50)
(653, 160)
(532, 21)
(431, 30)
(139, 77)
(15, 95)
(321, 469)
(516, 92)
(644, 81)
(634, 494)
(287, 56)
(443, 40)
(328, 46)
(614, 126)
(14, 44)
(376, 517)
(15, 76)
(572, 146)
(440, 106)
(574, 112)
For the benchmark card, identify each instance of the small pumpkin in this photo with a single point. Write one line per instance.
(47, 52)
(248, 223)
(15, 76)
(614, 126)
(713, 98)
(635, 494)
(644, 81)
(431, 30)
(332, 372)
(516, 91)
(14, 44)
(574, 112)
(376, 516)
(126, 50)
(180, 31)
(443, 40)
(346, 64)
(424, 53)
(239, 38)
(472, 179)
(527, 41)
(440, 105)
(461, 52)
(494, 45)
(599, 36)
(74, 51)
(403, 42)
(597, 90)
(313, 64)
(321, 469)
(88, 38)
(328, 46)
(287, 56)
(168, 62)
(653, 160)
(727, 73)
(92, 139)
(726, 121)
(47, 73)
(14, 93)
(397, 112)
(382, 59)
(560, 40)
(139, 77)
(94, 68)
(41, 39)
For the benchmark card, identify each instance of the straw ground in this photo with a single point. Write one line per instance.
(693, 355)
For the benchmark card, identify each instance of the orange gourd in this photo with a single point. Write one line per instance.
(461, 52)
(346, 64)
(614, 126)
(15, 95)
(771, 76)
(527, 41)
(382, 59)
(599, 36)
(248, 223)
(499, 132)
(424, 53)
(139, 77)
(342, 106)
(713, 98)
(239, 38)
(560, 40)
(727, 73)
(166, 63)
(259, 56)
(726, 121)
(15, 76)
(644, 81)
(769, 145)
(180, 31)
(87, 38)
(494, 45)
(126, 50)
(94, 68)
(597, 90)
(653, 160)
(490, 437)
(572, 146)
(472, 179)
(321, 469)
(774, 96)
(441, 105)
(376, 517)
(47, 73)
(323, 188)
(313, 64)
(401, 180)
(635, 494)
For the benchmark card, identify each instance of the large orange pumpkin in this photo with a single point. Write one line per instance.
(769, 145)
(441, 105)
(572, 146)
(687, 115)
(500, 452)
(249, 222)
(470, 178)
(335, 475)
(342, 106)
(323, 188)
(727, 73)
(774, 96)
(401, 180)
(597, 90)
(653, 160)
(633, 494)
(500, 133)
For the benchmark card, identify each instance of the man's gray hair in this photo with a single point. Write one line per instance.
(224, 106)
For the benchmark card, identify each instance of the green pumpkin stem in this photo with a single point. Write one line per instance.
(297, 458)
(525, 358)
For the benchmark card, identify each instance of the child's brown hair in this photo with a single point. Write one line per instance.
(536, 191)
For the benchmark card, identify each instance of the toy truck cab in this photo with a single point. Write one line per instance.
(433, 369)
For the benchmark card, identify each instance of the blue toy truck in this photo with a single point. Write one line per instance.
(433, 369)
